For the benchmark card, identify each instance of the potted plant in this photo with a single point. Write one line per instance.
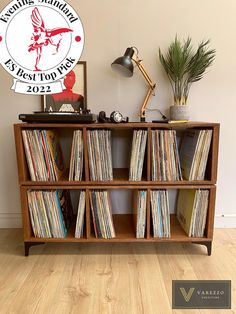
(184, 66)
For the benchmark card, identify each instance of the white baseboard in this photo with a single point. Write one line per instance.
(10, 220)
(225, 221)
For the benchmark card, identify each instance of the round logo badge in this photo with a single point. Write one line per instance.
(41, 41)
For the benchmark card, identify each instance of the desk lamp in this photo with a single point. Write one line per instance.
(125, 66)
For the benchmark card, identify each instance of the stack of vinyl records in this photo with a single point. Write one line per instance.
(102, 214)
(76, 159)
(80, 216)
(194, 153)
(43, 154)
(160, 213)
(46, 214)
(137, 155)
(141, 214)
(100, 156)
(165, 156)
(192, 208)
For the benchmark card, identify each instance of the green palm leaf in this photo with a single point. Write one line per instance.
(184, 67)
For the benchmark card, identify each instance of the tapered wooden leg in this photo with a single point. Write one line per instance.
(208, 245)
(29, 244)
(209, 248)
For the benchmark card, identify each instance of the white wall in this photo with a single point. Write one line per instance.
(111, 26)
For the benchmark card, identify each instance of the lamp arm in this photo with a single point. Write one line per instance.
(151, 84)
(145, 103)
(144, 73)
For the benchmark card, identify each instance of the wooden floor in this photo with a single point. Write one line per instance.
(107, 278)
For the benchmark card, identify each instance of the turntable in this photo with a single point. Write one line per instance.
(59, 117)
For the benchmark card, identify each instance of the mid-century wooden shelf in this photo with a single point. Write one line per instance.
(123, 223)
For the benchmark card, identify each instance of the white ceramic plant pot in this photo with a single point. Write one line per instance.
(179, 113)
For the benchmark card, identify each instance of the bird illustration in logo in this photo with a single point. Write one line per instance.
(44, 37)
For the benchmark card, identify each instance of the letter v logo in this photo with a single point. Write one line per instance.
(187, 296)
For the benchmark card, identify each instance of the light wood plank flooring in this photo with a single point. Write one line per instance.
(99, 278)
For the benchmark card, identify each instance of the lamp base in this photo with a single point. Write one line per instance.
(142, 119)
